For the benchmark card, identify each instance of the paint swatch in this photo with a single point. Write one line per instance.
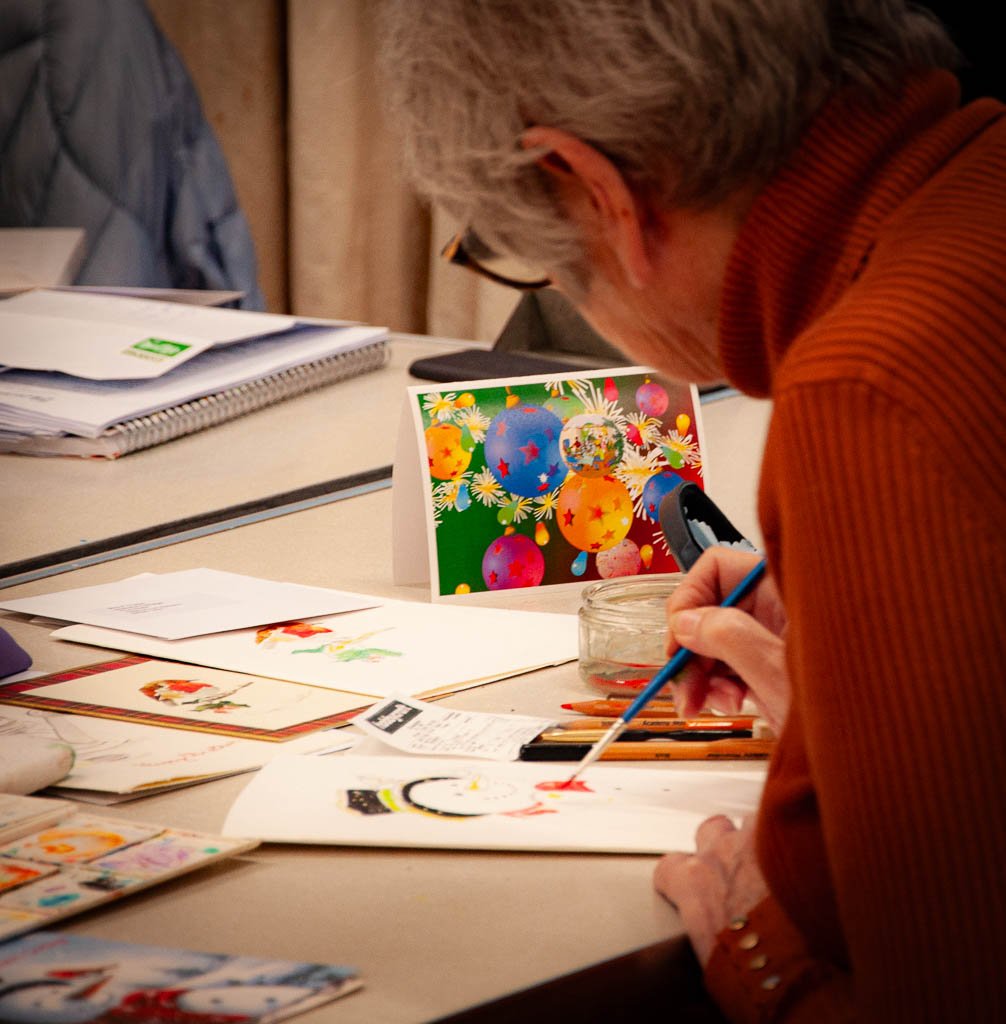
(84, 860)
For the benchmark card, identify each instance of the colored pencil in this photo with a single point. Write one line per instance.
(612, 707)
(643, 735)
(715, 723)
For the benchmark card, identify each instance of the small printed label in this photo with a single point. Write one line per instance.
(159, 347)
(392, 716)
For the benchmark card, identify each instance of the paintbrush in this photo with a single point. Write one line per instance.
(663, 677)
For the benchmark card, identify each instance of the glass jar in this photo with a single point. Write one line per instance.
(623, 632)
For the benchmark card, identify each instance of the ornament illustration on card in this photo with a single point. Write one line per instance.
(540, 481)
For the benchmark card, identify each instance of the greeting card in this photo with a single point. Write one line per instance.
(540, 481)
(179, 696)
(52, 978)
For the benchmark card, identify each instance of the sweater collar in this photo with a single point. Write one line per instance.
(810, 230)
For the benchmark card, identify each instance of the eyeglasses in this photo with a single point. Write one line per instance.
(466, 249)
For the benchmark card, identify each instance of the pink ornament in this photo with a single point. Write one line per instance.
(652, 399)
(511, 561)
(623, 559)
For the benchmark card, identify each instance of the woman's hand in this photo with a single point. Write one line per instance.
(717, 883)
(740, 649)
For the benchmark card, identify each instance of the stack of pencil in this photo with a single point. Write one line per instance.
(659, 736)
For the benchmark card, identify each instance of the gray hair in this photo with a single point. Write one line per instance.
(690, 99)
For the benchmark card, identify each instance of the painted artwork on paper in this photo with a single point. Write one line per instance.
(285, 634)
(463, 794)
(450, 802)
(81, 839)
(172, 850)
(72, 889)
(551, 481)
(402, 647)
(350, 648)
(181, 696)
(54, 978)
(16, 872)
(324, 640)
(193, 695)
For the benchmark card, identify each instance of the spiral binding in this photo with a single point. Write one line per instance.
(200, 413)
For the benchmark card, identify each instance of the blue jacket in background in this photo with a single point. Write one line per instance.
(101, 128)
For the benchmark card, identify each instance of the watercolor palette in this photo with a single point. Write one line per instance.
(82, 860)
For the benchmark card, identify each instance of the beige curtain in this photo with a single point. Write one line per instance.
(291, 90)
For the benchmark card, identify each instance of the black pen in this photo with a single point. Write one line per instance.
(654, 750)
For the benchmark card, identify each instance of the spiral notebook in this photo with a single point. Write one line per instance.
(108, 419)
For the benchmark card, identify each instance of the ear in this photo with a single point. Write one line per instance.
(596, 195)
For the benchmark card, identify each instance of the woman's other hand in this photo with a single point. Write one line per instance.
(714, 885)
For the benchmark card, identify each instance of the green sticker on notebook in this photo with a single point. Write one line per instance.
(161, 346)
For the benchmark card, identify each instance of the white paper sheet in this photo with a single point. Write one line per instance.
(191, 602)
(125, 757)
(419, 801)
(399, 647)
(416, 727)
(112, 337)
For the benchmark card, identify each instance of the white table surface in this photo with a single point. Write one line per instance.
(333, 432)
(432, 932)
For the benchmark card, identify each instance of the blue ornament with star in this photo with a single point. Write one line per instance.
(657, 488)
(522, 450)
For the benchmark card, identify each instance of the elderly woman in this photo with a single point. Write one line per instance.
(787, 194)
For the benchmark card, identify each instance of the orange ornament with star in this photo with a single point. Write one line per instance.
(594, 513)
(446, 457)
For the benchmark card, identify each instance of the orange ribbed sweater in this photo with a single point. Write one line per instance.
(866, 294)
